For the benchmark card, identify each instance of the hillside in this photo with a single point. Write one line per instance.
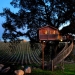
(20, 53)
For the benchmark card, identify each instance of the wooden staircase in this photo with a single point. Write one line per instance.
(62, 55)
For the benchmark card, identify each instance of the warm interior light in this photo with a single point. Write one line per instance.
(45, 31)
(61, 40)
(43, 41)
(54, 32)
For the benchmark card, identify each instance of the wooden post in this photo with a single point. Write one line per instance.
(42, 58)
(62, 65)
(52, 66)
(43, 46)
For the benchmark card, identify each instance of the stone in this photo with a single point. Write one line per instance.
(28, 70)
(1, 66)
(19, 72)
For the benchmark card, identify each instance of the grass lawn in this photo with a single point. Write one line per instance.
(69, 70)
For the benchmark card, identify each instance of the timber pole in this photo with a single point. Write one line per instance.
(52, 66)
(43, 46)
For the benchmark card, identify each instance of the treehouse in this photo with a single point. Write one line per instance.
(49, 33)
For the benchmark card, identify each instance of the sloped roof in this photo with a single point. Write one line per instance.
(49, 27)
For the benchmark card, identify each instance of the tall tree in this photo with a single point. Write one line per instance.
(34, 14)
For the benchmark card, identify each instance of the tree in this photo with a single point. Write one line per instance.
(34, 14)
(68, 29)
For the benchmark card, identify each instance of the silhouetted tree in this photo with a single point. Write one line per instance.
(68, 29)
(34, 14)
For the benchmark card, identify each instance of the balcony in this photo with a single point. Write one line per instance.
(48, 37)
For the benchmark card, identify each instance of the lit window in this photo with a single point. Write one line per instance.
(54, 32)
(45, 31)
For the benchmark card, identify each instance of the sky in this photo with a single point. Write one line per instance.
(4, 4)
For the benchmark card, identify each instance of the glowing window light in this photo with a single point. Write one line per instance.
(54, 32)
(46, 32)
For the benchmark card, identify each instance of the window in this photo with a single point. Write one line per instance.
(44, 31)
(54, 32)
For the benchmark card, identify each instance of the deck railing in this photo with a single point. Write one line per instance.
(48, 37)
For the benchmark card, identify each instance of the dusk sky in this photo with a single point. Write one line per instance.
(4, 4)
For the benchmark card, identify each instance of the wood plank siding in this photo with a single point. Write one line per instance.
(48, 33)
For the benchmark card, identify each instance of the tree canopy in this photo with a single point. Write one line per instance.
(34, 14)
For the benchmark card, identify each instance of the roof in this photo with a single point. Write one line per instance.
(48, 26)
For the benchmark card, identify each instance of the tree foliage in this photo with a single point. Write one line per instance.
(34, 14)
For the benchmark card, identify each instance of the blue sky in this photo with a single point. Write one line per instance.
(4, 4)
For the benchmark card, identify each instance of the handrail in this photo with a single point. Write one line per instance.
(65, 47)
(59, 54)
(63, 54)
